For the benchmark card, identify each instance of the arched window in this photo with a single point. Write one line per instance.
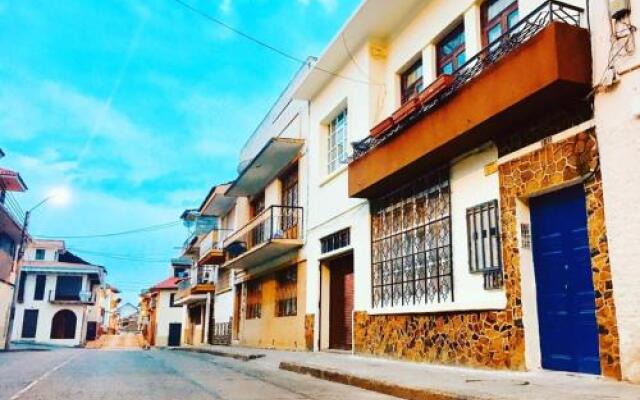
(63, 325)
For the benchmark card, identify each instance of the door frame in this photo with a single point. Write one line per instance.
(324, 306)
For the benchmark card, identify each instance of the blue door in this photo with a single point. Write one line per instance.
(564, 282)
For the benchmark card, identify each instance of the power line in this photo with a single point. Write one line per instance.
(150, 228)
(123, 257)
(265, 44)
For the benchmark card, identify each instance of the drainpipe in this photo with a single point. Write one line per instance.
(207, 318)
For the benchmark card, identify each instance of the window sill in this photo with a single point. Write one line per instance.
(328, 178)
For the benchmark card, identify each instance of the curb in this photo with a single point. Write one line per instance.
(241, 357)
(403, 392)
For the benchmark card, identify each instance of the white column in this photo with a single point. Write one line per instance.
(472, 31)
(207, 318)
(429, 61)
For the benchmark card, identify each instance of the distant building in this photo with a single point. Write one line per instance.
(10, 236)
(128, 318)
(108, 301)
(56, 301)
(161, 318)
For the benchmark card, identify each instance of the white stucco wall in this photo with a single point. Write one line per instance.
(6, 296)
(46, 312)
(223, 306)
(617, 115)
(165, 315)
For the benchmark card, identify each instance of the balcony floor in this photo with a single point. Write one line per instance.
(264, 253)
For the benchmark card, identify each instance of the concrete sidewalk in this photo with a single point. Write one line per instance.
(423, 381)
(238, 353)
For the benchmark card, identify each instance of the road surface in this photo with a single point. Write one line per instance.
(87, 374)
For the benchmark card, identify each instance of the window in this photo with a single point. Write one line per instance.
(411, 244)
(40, 254)
(483, 235)
(289, 217)
(254, 299)
(498, 16)
(451, 51)
(7, 245)
(257, 206)
(337, 142)
(287, 292)
(172, 301)
(195, 315)
(21, 282)
(68, 287)
(224, 280)
(411, 81)
(335, 241)
(41, 281)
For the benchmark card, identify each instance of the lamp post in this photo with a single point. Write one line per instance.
(63, 196)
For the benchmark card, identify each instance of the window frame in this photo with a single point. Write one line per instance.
(338, 126)
(253, 299)
(408, 92)
(501, 19)
(40, 287)
(445, 59)
(40, 254)
(287, 292)
(172, 301)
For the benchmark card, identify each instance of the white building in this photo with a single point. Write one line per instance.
(166, 317)
(56, 302)
(617, 116)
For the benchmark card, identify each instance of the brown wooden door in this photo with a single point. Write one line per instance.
(341, 303)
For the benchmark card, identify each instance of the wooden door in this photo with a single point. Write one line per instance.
(341, 303)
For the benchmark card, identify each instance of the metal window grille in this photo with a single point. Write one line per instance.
(287, 292)
(483, 241)
(411, 244)
(525, 236)
(254, 299)
(335, 241)
(483, 235)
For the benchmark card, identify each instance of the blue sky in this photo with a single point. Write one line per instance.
(139, 107)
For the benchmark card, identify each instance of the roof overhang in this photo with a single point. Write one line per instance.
(65, 269)
(274, 156)
(217, 202)
(11, 181)
(374, 19)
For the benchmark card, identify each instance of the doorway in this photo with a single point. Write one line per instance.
(29, 324)
(175, 333)
(564, 282)
(341, 303)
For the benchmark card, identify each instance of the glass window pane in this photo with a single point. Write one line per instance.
(496, 7)
(513, 19)
(447, 68)
(494, 33)
(462, 58)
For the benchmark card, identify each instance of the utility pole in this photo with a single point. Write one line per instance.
(16, 285)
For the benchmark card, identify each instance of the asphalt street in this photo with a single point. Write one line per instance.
(86, 374)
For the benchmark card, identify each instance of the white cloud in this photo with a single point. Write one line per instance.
(328, 5)
(225, 6)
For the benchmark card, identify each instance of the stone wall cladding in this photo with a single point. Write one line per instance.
(495, 339)
(309, 322)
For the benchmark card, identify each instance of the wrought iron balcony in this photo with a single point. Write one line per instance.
(516, 37)
(274, 232)
(81, 298)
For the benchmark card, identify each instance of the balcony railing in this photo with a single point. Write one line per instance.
(276, 222)
(213, 241)
(80, 298)
(203, 276)
(520, 33)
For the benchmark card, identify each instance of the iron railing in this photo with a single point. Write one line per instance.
(214, 240)
(520, 33)
(80, 298)
(221, 333)
(276, 222)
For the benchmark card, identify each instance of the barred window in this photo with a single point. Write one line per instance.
(411, 244)
(483, 235)
(254, 299)
(287, 292)
(335, 241)
(224, 280)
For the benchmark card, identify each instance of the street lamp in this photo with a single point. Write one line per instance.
(59, 196)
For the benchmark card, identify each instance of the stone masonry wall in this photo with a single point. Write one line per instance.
(495, 339)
